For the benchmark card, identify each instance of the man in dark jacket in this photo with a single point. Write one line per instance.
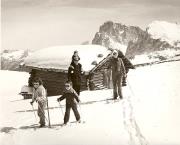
(71, 102)
(128, 65)
(74, 74)
(118, 72)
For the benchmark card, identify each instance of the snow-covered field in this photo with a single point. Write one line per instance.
(148, 114)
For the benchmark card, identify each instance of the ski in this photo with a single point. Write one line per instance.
(34, 126)
(53, 126)
(112, 100)
(73, 123)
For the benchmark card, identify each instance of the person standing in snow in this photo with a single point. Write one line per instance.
(39, 95)
(71, 102)
(118, 72)
(74, 74)
(127, 64)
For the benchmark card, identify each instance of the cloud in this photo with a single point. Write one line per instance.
(87, 3)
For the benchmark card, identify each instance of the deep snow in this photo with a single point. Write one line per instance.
(148, 114)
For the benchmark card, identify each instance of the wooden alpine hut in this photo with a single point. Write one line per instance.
(51, 65)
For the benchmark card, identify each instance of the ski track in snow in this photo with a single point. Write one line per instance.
(135, 135)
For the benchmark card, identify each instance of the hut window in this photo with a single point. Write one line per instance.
(100, 55)
(94, 63)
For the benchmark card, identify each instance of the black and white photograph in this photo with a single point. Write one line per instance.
(90, 72)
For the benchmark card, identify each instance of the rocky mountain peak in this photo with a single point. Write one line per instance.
(132, 40)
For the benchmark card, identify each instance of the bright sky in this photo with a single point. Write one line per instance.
(34, 24)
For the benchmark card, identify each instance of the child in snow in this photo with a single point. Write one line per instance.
(39, 95)
(71, 102)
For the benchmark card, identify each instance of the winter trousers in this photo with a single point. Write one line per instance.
(41, 112)
(117, 85)
(107, 79)
(77, 88)
(67, 113)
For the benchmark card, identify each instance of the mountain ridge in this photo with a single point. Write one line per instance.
(136, 40)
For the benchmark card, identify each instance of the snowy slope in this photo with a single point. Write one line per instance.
(149, 113)
(165, 31)
(59, 57)
(156, 56)
(156, 102)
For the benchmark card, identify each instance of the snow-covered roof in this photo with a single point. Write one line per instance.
(60, 57)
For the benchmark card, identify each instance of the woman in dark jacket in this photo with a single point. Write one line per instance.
(74, 74)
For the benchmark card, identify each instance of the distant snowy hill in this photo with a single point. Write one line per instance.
(11, 59)
(165, 31)
(157, 56)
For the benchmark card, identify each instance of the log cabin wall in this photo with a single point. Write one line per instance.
(54, 81)
(98, 80)
(101, 77)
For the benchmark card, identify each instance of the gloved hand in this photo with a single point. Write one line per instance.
(79, 101)
(58, 99)
(31, 102)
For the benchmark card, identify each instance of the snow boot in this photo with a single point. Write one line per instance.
(42, 125)
(79, 121)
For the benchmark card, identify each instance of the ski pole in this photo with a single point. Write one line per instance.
(48, 110)
(61, 108)
(80, 110)
(34, 112)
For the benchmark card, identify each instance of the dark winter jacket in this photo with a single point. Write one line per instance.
(74, 73)
(128, 65)
(71, 97)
